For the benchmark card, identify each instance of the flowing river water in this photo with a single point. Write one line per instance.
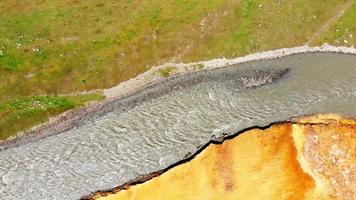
(161, 125)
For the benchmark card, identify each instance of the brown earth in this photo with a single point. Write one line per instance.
(306, 158)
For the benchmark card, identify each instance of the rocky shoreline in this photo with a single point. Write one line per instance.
(147, 80)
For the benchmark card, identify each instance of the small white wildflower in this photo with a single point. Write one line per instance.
(35, 49)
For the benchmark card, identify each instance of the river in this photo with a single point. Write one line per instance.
(161, 125)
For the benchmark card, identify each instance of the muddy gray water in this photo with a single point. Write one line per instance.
(150, 132)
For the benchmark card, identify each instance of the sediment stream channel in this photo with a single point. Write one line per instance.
(161, 125)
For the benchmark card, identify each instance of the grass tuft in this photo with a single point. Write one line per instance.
(166, 71)
(198, 66)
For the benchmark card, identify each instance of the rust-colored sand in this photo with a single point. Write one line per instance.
(312, 158)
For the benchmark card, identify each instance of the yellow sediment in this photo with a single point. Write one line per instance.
(299, 160)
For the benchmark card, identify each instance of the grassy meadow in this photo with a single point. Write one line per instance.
(24, 112)
(49, 48)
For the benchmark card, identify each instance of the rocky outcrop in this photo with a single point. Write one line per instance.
(304, 158)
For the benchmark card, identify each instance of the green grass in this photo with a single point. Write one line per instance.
(50, 47)
(23, 113)
(68, 46)
(343, 32)
(166, 71)
(264, 25)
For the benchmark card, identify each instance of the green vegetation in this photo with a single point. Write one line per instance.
(343, 32)
(25, 112)
(166, 71)
(265, 25)
(57, 46)
(50, 47)
(198, 66)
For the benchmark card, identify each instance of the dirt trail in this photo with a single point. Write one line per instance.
(326, 26)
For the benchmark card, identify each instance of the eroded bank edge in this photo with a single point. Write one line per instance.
(190, 156)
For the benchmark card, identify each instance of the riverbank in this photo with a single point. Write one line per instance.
(57, 48)
(151, 78)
